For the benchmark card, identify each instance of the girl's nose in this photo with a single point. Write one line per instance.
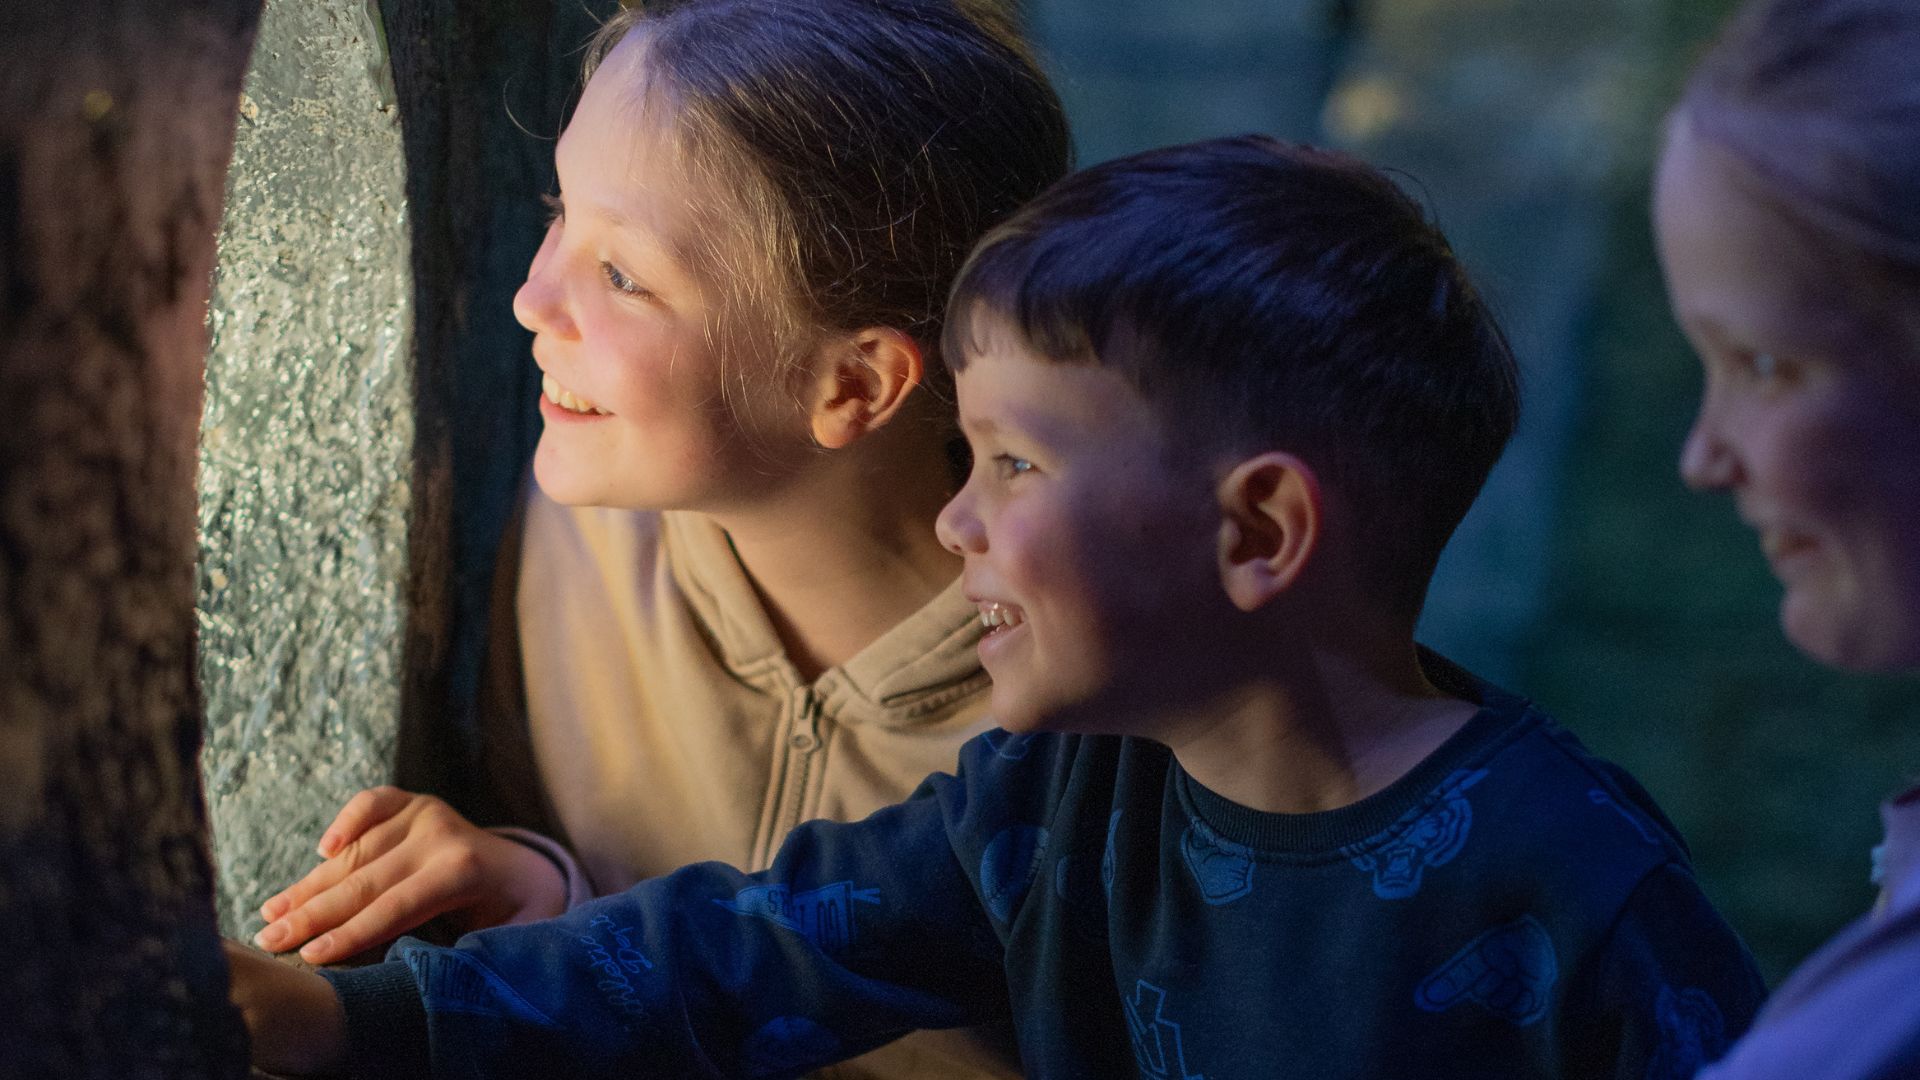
(540, 305)
(958, 527)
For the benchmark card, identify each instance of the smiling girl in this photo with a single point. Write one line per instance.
(731, 611)
(1788, 214)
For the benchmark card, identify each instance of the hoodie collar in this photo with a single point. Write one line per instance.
(921, 664)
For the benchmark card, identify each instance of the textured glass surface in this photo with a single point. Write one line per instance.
(306, 450)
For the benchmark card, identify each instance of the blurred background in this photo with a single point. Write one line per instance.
(370, 400)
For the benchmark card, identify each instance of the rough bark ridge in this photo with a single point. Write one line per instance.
(116, 122)
(483, 92)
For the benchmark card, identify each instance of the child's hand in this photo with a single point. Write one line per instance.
(395, 860)
(294, 1018)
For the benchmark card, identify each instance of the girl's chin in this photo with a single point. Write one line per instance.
(561, 482)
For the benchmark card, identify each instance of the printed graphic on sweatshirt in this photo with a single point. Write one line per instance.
(823, 916)
(1157, 1047)
(1222, 868)
(1692, 1034)
(1509, 970)
(1599, 797)
(1428, 835)
(611, 953)
(1008, 867)
(461, 984)
(788, 1044)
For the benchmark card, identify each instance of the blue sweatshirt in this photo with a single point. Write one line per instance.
(1513, 907)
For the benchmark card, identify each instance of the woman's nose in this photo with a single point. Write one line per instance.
(1707, 462)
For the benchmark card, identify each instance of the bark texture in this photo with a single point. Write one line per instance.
(116, 122)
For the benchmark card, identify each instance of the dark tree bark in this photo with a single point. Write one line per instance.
(116, 125)
(483, 90)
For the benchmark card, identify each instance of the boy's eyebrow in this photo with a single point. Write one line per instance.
(1032, 426)
(978, 425)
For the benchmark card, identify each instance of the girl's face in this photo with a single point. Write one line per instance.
(632, 397)
(1811, 410)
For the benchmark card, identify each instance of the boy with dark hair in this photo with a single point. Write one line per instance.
(1226, 401)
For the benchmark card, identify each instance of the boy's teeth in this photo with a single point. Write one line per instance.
(993, 616)
(567, 399)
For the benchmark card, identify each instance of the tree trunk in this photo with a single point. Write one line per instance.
(116, 123)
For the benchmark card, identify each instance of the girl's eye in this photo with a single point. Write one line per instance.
(621, 282)
(556, 210)
(1011, 466)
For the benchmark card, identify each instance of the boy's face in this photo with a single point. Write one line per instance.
(1085, 540)
(1811, 413)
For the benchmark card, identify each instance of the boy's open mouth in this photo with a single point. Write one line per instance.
(567, 399)
(996, 616)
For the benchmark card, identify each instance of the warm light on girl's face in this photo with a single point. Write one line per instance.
(634, 398)
(1810, 415)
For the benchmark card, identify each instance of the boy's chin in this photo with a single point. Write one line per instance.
(1027, 717)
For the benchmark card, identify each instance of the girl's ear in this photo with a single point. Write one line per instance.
(863, 381)
(1271, 516)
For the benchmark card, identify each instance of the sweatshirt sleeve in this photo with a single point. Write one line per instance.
(1670, 989)
(857, 934)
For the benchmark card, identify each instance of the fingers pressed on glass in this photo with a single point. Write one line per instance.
(330, 906)
(318, 880)
(363, 811)
(391, 914)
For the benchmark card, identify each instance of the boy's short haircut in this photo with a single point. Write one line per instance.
(1265, 295)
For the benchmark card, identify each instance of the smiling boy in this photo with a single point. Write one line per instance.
(1227, 402)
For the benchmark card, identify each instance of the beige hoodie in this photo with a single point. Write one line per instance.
(665, 725)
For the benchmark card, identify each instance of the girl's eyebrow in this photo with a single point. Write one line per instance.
(648, 238)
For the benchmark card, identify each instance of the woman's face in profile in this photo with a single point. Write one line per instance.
(1810, 416)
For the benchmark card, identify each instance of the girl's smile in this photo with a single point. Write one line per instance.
(650, 399)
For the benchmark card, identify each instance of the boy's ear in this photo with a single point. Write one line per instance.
(863, 382)
(1270, 523)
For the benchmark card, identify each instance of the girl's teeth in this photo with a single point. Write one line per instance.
(567, 399)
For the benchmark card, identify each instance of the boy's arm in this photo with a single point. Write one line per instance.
(294, 1021)
(1670, 991)
(857, 934)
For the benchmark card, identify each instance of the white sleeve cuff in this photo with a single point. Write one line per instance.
(579, 889)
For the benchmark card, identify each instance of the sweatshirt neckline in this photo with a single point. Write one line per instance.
(888, 681)
(1451, 768)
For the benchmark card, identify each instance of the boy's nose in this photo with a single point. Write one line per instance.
(958, 527)
(540, 304)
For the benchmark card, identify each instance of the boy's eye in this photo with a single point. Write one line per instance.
(1010, 466)
(556, 210)
(622, 282)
